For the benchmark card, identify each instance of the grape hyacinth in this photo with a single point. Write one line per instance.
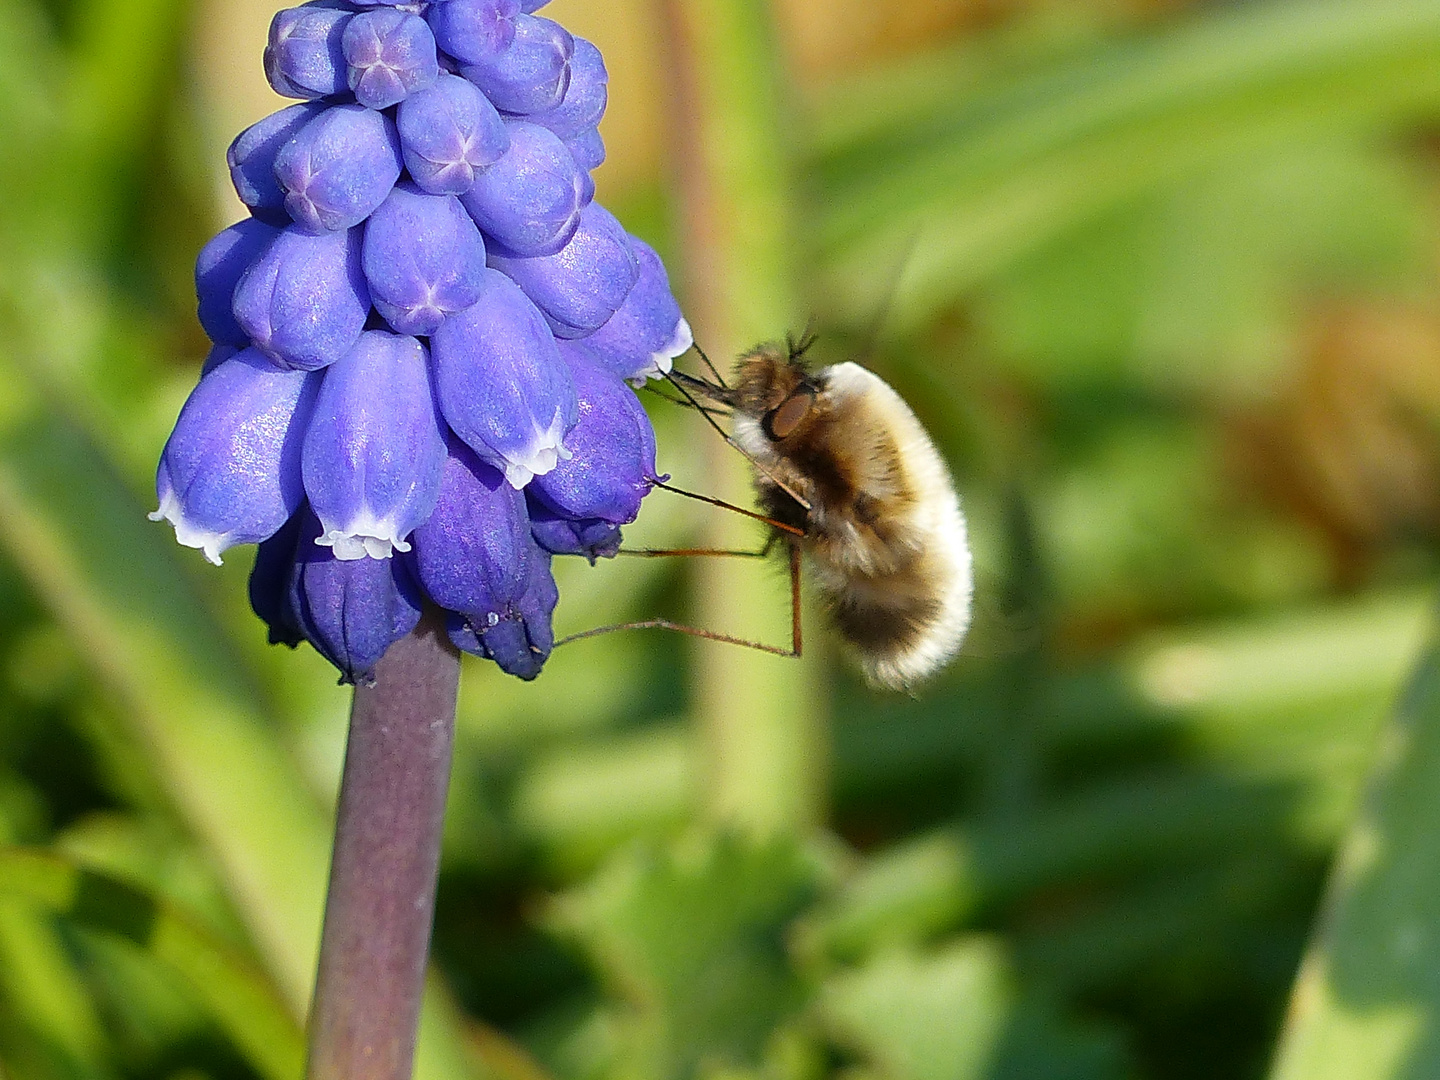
(422, 335)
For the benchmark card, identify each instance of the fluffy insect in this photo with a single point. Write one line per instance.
(843, 463)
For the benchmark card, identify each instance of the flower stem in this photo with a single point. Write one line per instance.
(387, 856)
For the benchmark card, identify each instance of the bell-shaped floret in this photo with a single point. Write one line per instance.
(584, 102)
(270, 583)
(251, 158)
(473, 552)
(304, 301)
(448, 134)
(350, 611)
(642, 339)
(339, 167)
(521, 638)
(612, 448)
(502, 386)
(424, 259)
(374, 450)
(390, 55)
(221, 265)
(473, 30)
(532, 73)
(304, 58)
(230, 473)
(582, 285)
(530, 200)
(587, 148)
(560, 535)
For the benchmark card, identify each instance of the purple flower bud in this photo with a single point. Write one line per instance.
(351, 612)
(230, 472)
(581, 286)
(612, 447)
(270, 583)
(221, 265)
(584, 101)
(449, 133)
(473, 30)
(339, 168)
(390, 54)
(217, 355)
(532, 74)
(373, 451)
(591, 537)
(502, 386)
(472, 553)
(252, 160)
(530, 200)
(304, 58)
(424, 259)
(588, 149)
(304, 301)
(641, 339)
(521, 638)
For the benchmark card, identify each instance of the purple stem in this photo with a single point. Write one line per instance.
(387, 857)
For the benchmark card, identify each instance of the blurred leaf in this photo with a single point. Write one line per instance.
(1367, 1001)
(692, 939)
(925, 1017)
(1007, 170)
(240, 999)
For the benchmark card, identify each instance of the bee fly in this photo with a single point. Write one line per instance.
(845, 474)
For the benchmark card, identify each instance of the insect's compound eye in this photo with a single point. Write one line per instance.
(787, 416)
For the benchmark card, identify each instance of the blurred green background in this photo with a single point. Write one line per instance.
(1160, 276)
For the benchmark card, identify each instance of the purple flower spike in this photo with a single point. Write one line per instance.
(350, 611)
(584, 101)
(612, 463)
(502, 386)
(390, 55)
(252, 160)
(448, 134)
(473, 552)
(339, 168)
(424, 259)
(304, 58)
(530, 200)
(520, 639)
(591, 537)
(374, 451)
(473, 30)
(270, 583)
(588, 149)
(582, 286)
(230, 473)
(221, 265)
(642, 339)
(304, 301)
(531, 75)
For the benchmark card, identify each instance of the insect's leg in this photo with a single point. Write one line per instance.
(710, 635)
(791, 529)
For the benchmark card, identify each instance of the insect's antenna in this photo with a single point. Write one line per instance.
(713, 369)
(791, 529)
(673, 381)
(799, 347)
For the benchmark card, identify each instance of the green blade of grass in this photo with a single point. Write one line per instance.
(235, 994)
(1004, 174)
(1367, 1000)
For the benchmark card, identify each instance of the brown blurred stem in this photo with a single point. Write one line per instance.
(387, 856)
